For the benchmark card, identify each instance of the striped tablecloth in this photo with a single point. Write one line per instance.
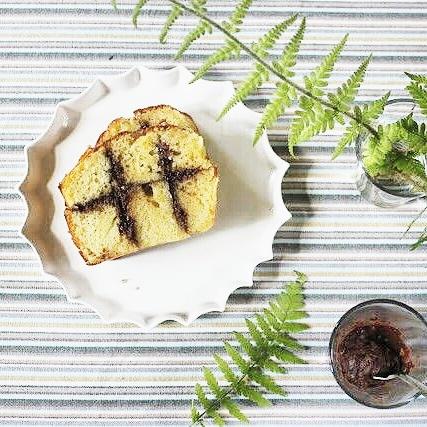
(60, 365)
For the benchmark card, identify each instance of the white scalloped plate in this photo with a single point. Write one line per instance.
(178, 281)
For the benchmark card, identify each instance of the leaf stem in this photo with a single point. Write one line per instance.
(271, 69)
(217, 401)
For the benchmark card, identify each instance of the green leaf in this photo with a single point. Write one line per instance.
(195, 415)
(229, 51)
(265, 327)
(225, 369)
(212, 382)
(114, 4)
(286, 355)
(307, 118)
(269, 39)
(253, 395)
(175, 13)
(265, 381)
(419, 94)
(218, 420)
(294, 327)
(137, 10)
(255, 334)
(236, 357)
(421, 240)
(238, 15)
(418, 78)
(204, 401)
(234, 411)
(265, 347)
(289, 55)
(368, 113)
(253, 81)
(194, 35)
(283, 98)
(285, 94)
(246, 345)
(346, 93)
(272, 366)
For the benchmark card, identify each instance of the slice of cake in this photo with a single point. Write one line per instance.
(148, 117)
(139, 189)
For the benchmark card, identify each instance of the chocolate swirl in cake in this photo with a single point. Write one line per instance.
(122, 191)
(172, 179)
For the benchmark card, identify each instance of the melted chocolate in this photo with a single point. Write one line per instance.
(374, 349)
(122, 191)
(94, 204)
(172, 179)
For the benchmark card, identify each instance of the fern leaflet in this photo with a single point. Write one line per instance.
(231, 49)
(419, 94)
(237, 17)
(202, 28)
(174, 14)
(285, 94)
(368, 113)
(306, 120)
(263, 349)
(259, 74)
(137, 11)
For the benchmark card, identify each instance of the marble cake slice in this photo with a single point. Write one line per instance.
(140, 189)
(148, 117)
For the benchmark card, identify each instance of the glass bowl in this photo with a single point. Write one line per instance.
(382, 192)
(412, 326)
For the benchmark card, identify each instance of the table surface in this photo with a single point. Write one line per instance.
(59, 363)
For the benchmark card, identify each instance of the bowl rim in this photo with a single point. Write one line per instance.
(339, 324)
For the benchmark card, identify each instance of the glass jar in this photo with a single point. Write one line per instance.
(381, 191)
(413, 328)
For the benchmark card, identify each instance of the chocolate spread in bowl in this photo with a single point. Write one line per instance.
(372, 349)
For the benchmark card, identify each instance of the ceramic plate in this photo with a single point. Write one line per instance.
(178, 281)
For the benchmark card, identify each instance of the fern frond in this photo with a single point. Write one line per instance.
(252, 82)
(234, 411)
(346, 93)
(253, 395)
(201, 29)
(230, 49)
(236, 357)
(368, 113)
(265, 381)
(212, 383)
(283, 98)
(137, 11)
(421, 240)
(418, 78)
(225, 53)
(191, 37)
(272, 366)
(259, 74)
(237, 17)
(226, 370)
(269, 39)
(414, 136)
(194, 413)
(419, 94)
(265, 346)
(312, 118)
(175, 13)
(288, 58)
(285, 94)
